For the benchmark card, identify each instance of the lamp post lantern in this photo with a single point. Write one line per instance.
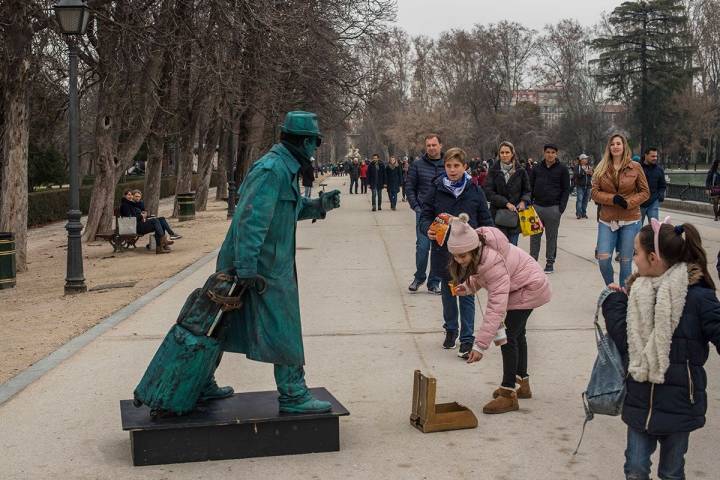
(73, 16)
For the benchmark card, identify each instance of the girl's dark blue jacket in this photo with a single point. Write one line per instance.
(679, 404)
(441, 200)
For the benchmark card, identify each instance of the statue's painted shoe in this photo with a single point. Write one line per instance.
(308, 406)
(213, 392)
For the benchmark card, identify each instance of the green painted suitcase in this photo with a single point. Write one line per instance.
(178, 372)
(188, 356)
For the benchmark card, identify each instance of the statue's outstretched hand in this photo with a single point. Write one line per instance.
(330, 200)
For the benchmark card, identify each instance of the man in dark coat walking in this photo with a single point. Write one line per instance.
(376, 181)
(418, 184)
(656, 181)
(354, 175)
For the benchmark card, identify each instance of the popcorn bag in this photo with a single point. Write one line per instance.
(440, 226)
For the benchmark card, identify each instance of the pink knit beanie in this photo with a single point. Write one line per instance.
(463, 238)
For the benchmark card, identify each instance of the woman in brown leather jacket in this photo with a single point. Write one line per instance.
(619, 186)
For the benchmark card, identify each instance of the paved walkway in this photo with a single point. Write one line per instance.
(364, 336)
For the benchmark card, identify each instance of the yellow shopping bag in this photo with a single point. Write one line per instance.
(530, 223)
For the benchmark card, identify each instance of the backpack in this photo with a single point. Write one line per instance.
(605, 392)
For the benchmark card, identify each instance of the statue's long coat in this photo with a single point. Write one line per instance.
(261, 241)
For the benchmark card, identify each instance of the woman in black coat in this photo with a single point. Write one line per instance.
(663, 330)
(508, 188)
(393, 180)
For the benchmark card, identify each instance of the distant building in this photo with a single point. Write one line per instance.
(613, 113)
(548, 102)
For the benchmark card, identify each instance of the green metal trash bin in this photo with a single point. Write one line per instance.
(186, 206)
(7, 260)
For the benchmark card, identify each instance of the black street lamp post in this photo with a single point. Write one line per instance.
(73, 16)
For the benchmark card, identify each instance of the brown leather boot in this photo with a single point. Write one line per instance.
(505, 402)
(496, 393)
(165, 241)
(160, 249)
(524, 390)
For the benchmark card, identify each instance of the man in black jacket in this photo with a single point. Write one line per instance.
(550, 183)
(354, 175)
(418, 184)
(376, 180)
(656, 181)
(582, 180)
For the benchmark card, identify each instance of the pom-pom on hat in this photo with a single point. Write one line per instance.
(463, 238)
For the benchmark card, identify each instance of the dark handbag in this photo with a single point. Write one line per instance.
(506, 218)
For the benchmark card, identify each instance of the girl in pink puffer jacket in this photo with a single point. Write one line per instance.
(484, 258)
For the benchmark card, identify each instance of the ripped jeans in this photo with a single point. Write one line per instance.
(622, 240)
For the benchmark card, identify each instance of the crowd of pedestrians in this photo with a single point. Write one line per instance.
(482, 201)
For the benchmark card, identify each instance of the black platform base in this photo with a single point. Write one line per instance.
(242, 426)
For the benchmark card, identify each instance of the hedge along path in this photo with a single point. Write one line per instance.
(52, 205)
(37, 318)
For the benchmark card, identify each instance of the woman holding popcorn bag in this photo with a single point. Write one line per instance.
(484, 258)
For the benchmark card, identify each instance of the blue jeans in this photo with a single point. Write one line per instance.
(652, 211)
(641, 445)
(621, 240)
(377, 197)
(581, 203)
(393, 199)
(467, 314)
(422, 254)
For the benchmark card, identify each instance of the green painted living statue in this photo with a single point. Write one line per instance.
(261, 244)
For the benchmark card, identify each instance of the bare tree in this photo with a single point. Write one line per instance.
(21, 19)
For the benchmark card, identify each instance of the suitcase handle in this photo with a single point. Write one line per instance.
(222, 310)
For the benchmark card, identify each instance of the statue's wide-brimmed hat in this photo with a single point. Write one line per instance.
(302, 123)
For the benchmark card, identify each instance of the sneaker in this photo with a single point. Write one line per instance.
(549, 269)
(435, 289)
(584, 216)
(450, 340)
(415, 285)
(175, 237)
(465, 349)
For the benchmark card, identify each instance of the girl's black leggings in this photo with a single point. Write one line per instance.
(514, 352)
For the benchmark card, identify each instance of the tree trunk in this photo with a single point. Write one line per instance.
(205, 164)
(153, 174)
(14, 183)
(221, 191)
(183, 181)
(102, 198)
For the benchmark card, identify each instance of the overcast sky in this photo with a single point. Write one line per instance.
(430, 17)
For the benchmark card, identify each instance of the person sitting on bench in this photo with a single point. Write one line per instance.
(137, 198)
(128, 208)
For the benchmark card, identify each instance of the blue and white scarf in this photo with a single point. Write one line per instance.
(456, 188)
